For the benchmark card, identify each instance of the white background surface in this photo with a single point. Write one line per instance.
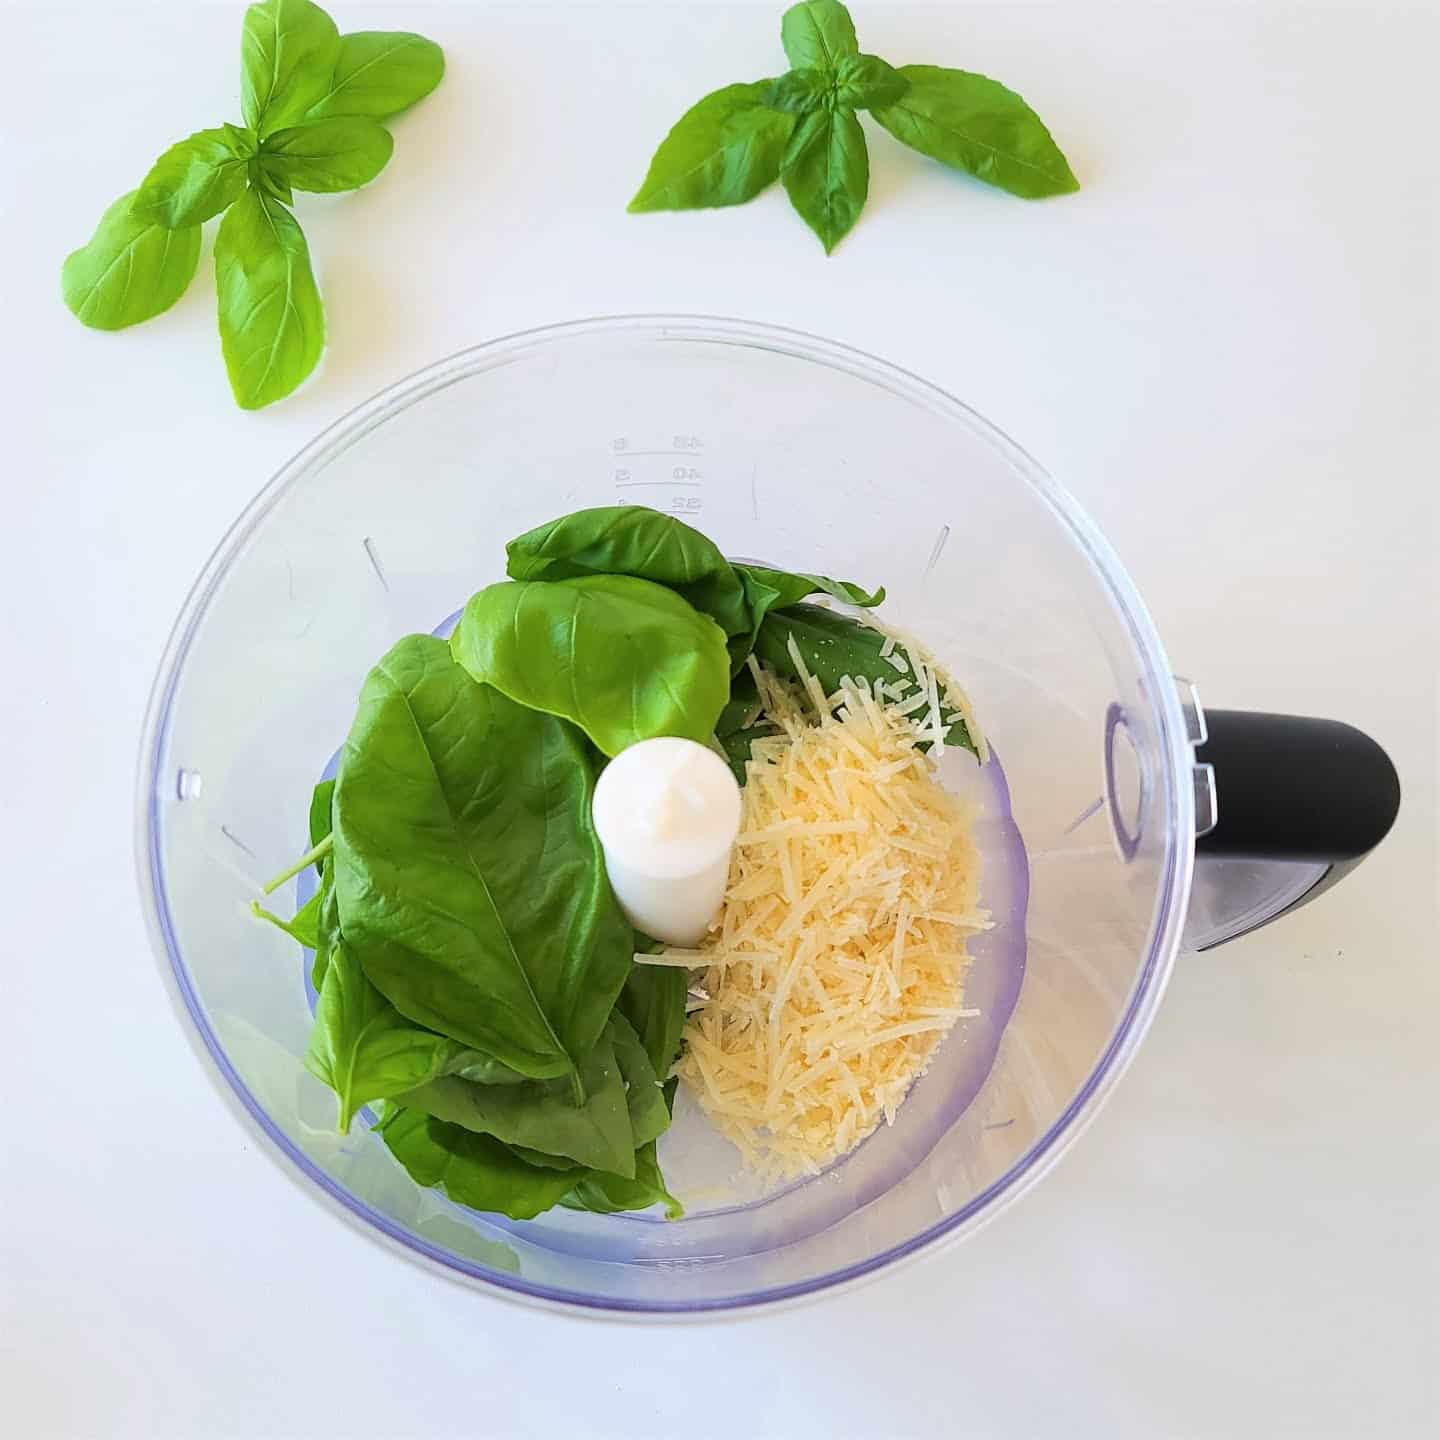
(1225, 345)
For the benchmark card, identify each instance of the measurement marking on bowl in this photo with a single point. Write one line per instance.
(375, 561)
(1093, 808)
(680, 445)
(1000, 1124)
(188, 785)
(236, 841)
(674, 1262)
(939, 545)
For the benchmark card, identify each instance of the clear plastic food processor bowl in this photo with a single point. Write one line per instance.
(782, 448)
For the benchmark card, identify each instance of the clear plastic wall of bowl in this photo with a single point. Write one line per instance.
(782, 448)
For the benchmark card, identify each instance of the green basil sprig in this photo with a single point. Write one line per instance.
(312, 101)
(802, 129)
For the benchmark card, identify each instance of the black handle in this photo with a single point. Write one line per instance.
(1316, 793)
(1291, 788)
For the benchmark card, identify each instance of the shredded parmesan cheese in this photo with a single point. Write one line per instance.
(912, 659)
(837, 965)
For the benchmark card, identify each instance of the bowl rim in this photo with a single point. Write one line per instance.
(1167, 921)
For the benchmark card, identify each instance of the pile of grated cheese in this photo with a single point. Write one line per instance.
(837, 965)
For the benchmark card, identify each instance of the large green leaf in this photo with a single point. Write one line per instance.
(649, 1115)
(327, 924)
(544, 1161)
(195, 179)
(724, 150)
(485, 1070)
(653, 1001)
(471, 884)
(818, 33)
(827, 173)
(864, 81)
(379, 73)
(322, 799)
(473, 1169)
(634, 540)
(131, 269)
(798, 92)
(975, 124)
(767, 590)
(328, 155)
(833, 646)
(541, 1114)
(288, 50)
(327, 910)
(361, 1046)
(610, 1194)
(742, 708)
(272, 325)
(624, 658)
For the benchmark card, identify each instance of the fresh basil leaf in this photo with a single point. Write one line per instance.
(975, 124)
(827, 173)
(470, 880)
(634, 540)
(265, 178)
(322, 800)
(379, 73)
(742, 708)
(541, 1114)
(864, 81)
(361, 1046)
(329, 155)
(724, 150)
(623, 658)
(300, 926)
(473, 1169)
(272, 325)
(327, 914)
(653, 1001)
(817, 33)
(798, 92)
(832, 646)
(327, 925)
(609, 1194)
(540, 1158)
(131, 270)
(288, 50)
(767, 590)
(484, 1069)
(649, 1115)
(789, 587)
(193, 180)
